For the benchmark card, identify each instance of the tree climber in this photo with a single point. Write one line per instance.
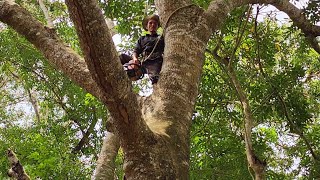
(150, 49)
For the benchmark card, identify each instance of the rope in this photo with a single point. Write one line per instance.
(159, 37)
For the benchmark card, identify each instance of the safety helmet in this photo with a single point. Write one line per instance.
(134, 70)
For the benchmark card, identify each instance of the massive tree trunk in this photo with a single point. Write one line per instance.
(153, 131)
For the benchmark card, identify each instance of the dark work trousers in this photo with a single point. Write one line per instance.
(152, 67)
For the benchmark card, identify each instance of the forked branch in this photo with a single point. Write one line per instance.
(16, 171)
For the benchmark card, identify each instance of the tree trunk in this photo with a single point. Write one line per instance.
(106, 162)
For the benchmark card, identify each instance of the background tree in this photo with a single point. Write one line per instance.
(253, 96)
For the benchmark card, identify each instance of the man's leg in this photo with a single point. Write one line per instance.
(153, 68)
(124, 58)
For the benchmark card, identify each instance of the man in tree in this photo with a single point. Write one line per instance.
(150, 47)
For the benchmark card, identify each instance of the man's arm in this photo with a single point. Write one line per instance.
(137, 50)
(135, 56)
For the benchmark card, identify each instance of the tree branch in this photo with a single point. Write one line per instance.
(166, 8)
(296, 128)
(300, 20)
(296, 15)
(34, 103)
(240, 35)
(276, 92)
(106, 163)
(31, 96)
(98, 48)
(55, 90)
(105, 68)
(314, 43)
(222, 8)
(254, 161)
(16, 170)
(47, 41)
(46, 13)
(89, 131)
(110, 84)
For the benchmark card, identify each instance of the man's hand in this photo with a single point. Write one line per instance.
(135, 61)
(135, 57)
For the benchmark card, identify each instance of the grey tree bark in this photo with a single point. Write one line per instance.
(106, 163)
(187, 29)
(16, 171)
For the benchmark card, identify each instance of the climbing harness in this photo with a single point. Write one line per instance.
(148, 55)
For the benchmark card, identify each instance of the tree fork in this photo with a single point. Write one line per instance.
(16, 170)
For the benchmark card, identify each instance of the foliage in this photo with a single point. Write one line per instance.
(312, 11)
(272, 64)
(46, 145)
(43, 152)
